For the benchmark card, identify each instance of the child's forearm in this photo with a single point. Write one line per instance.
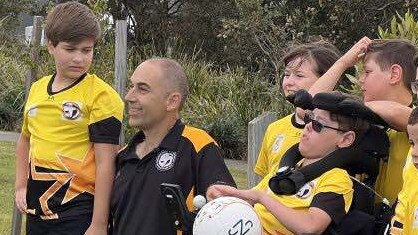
(22, 162)
(105, 171)
(395, 114)
(329, 80)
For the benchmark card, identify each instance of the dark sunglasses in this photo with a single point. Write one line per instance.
(317, 126)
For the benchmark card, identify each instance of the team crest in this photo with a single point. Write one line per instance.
(71, 111)
(305, 191)
(277, 144)
(165, 160)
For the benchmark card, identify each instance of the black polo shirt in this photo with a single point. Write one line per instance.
(187, 156)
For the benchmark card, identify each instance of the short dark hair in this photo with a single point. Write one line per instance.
(322, 53)
(350, 123)
(71, 22)
(388, 52)
(413, 118)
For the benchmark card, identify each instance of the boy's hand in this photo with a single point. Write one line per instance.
(352, 56)
(20, 199)
(216, 191)
(96, 230)
(252, 196)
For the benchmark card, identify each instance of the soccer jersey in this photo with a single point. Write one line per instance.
(405, 220)
(279, 137)
(389, 180)
(331, 192)
(62, 127)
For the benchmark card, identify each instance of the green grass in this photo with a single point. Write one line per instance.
(7, 179)
(240, 177)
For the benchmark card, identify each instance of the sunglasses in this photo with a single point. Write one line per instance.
(317, 126)
(414, 87)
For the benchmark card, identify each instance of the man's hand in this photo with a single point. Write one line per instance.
(352, 56)
(20, 199)
(95, 229)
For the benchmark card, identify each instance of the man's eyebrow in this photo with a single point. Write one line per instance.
(139, 84)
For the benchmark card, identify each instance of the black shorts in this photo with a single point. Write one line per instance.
(71, 226)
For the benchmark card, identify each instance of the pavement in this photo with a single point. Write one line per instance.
(9, 136)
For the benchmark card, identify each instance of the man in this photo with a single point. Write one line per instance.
(163, 151)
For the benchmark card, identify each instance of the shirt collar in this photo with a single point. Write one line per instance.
(169, 142)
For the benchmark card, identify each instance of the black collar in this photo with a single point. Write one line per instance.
(170, 141)
(295, 123)
(49, 88)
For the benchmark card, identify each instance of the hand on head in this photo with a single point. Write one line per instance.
(358, 51)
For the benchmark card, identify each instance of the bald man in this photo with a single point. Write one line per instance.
(164, 151)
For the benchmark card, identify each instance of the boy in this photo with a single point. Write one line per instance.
(385, 82)
(304, 64)
(323, 201)
(70, 134)
(405, 220)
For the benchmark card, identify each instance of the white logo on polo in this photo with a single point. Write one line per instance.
(305, 191)
(277, 143)
(165, 160)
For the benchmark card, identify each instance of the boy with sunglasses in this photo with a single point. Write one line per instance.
(386, 86)
(324, 201)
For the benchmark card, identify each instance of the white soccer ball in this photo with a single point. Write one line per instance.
(227, 216)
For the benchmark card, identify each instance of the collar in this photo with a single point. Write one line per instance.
(169, 142)
(51, 81)
(295, 124)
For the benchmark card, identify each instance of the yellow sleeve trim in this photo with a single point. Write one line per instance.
(198, 137)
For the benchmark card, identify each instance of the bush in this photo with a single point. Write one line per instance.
(12, 72)
(224, 102)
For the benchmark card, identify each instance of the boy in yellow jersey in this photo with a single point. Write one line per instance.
(385, 83)
(324, 201)
(70, 134)
(303, 66)
(405, 220)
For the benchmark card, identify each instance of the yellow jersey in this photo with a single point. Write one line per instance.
(405, 220)
(279, 137)
(389, 180)
(325, 192)
(62, 127)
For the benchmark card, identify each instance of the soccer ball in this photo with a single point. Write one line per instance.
(227, 216)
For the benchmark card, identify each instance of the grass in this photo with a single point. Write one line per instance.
(7, 178)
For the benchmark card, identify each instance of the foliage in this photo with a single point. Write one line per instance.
(266, 28)
(404, 27)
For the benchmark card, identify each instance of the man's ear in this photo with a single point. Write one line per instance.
(396, 73)
(173, 101)
(347, 139)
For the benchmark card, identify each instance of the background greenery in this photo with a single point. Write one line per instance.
(230, 50)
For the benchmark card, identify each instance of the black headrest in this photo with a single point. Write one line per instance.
(338, 103)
